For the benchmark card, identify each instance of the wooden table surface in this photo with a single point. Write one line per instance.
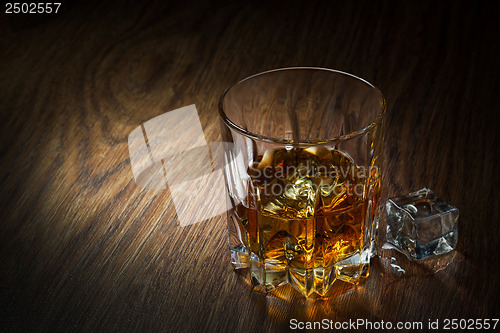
(83, 248)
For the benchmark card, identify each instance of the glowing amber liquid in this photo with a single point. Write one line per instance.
(303, 222)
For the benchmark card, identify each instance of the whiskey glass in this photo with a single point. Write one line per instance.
(303, 173)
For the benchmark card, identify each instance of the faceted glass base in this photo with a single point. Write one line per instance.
(266, 276)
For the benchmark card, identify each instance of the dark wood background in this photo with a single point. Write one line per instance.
(83, 248)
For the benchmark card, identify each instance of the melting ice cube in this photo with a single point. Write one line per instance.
(421, 225)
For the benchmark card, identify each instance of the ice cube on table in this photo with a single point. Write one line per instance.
(421, 225)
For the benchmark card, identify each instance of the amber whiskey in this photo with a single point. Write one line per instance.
(305, 218)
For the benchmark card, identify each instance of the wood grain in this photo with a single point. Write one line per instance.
(83, 248)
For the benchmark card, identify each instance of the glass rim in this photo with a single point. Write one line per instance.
(377, 120)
